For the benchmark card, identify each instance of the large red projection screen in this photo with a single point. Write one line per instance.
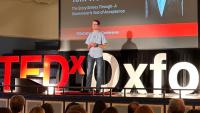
(131, 24)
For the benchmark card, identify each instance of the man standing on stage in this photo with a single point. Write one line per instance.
(96, 41)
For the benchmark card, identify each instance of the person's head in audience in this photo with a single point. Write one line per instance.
(176, 106)
(5, 110)
(74, 111)
(110, 110)
(143, 109)
(70, 105)
(76, 108)
(37, 109)
(194, 111)
(48, 108)
(132, 107)
(99, 106)
(17, 103)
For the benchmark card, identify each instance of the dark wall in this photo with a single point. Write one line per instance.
(8, 44)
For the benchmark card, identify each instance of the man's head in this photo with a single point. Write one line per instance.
(37, 109)
(48, 108)
(132, 107)
(110, 110)
(144, 109)
(176, 106)
(77, 108)
(17, 103)
(95, 24)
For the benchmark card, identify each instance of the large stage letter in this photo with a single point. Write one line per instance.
(77, 65)
(157, 68)
(29, 71)
(115, 71)
(8, 60)
(193, 74)
(135, 77)
(65, 69)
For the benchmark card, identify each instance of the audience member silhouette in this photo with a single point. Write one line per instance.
(110, 110)
(48, 108)
(132, 107)
(176, 106)
(143, 109)
(76, 108)
(17, 103)
(37, 109)
(99, 106)
(70, 105)
(74, 111)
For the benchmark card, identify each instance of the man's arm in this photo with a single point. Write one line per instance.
(96, 45)
(104, 42)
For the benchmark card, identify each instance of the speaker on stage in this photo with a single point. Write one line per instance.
(24, 85)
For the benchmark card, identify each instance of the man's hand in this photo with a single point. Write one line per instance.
(92, 45)
(102, 45)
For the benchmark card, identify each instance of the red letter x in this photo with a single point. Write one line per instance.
(77, 65)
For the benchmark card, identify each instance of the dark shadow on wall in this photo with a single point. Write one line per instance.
(128, 54)
(129, 44)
